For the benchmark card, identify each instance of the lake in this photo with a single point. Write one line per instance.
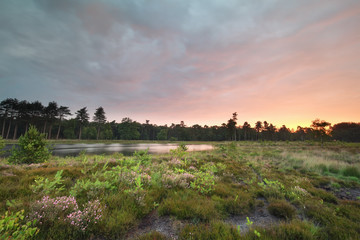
(126, 149)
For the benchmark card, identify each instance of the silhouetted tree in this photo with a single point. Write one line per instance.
(284, 133)
(346, 131)
(231, 126)
(258, 128)
(162, 135)
(11, 109)
(129, 129)
(62, 112)
(246, 128)
(270, 131)
(100, 119)
(24, 114)
(300, 133)
(320, 127)
(50, 114)
(16, 116)
(82, 117)
(35, 113)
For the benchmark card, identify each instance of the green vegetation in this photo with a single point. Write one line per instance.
(14, 226)
(16, 116)
(2, 145)
(32, 148)
(311, 190)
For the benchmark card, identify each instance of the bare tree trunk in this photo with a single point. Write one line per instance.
(58, 132)
(44, 129)
(26, 127)
(50, 128)
(15, 131)
(8, 131)
(80, 133)
(98, 133)
(3, 129)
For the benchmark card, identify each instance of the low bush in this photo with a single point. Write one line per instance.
(118, 222)
(46, 186)
(188, 205)
(332, 226)
(289, 231)
(351, 171)
(334, 169)
(204, 182)
(282, 209)
(240, 204)
(152, 236)
(322, 168)
(64, 212)
(272, 189)
(324, 195)
(32, 148)
(215, 230)
(2, 145)
(14, 226)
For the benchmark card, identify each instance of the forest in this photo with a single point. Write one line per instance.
(58, 122)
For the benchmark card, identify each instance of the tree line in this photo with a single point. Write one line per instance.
(57, 122)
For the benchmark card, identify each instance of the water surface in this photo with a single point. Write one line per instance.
(126, 149)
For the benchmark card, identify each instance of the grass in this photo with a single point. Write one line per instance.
(296, 182)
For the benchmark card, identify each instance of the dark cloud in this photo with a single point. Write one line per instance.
(170, 60)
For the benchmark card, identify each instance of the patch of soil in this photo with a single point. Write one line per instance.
(161, 224)
(348, 193)
(260, 217)
(344, 193)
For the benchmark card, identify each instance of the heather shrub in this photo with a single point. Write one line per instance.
(152, 235)
(216, 230)
(121, 214)
(324, 195)
(291, 230)
(240, 204)
(32, 148)
(188, 205)
(282, 209)
(48, 211)
(172, 179)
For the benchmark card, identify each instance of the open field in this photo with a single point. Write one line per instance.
(243, 190)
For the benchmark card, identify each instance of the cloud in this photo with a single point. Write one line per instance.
(182, 60)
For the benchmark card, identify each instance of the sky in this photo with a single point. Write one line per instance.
(197, 61)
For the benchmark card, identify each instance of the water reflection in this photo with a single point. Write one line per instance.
(126, 149)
